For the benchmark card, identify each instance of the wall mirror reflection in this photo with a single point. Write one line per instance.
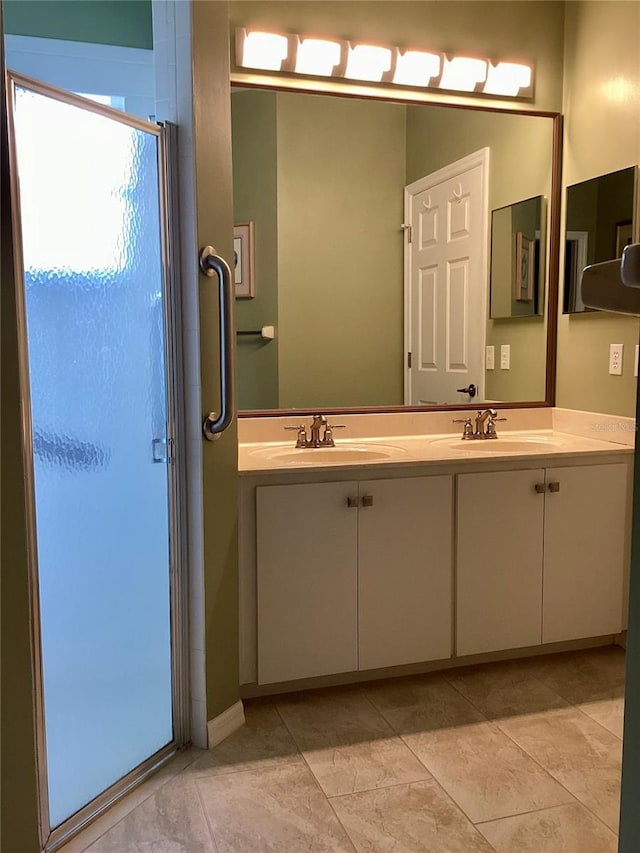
(599, 224)
(518, 237)
(324, 181)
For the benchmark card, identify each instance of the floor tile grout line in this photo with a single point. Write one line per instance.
(501, 731)
(260, 764)
(431, 778)
(379, 788)
(582, 711)
(544, 809)
(365, 790)
(206, 816)
(428, 769)
(597, 722)
(115, 805)
(315, 779)
(570, 705)
(344, 828)
(452, 672)
(532, 758)
(575, 796)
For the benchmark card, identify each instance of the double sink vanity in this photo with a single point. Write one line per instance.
(406, 547)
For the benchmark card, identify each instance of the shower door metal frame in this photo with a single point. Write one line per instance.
(52, 839)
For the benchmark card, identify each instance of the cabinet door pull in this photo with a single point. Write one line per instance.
(554, 487)
(367, 500)
(540, 488)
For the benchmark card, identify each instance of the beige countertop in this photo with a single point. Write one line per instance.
(420, 450)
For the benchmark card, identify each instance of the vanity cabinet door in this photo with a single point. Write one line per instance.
(307, 584)
(585, 534)
(499, 560)
(405, 544)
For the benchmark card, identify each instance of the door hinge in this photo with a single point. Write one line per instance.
(408, 229)
(163, 450)
(408, 359)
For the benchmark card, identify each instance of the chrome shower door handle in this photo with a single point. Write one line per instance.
(212, 264)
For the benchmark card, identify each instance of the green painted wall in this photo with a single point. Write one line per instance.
(519, 168)
(255, 167)
(602, 134)
(214, 223)
(123, 22)
(340, 178)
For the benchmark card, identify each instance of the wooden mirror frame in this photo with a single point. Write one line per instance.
(283, 83)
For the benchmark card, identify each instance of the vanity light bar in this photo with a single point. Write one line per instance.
(296, 54)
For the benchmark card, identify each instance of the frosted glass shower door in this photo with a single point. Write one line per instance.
(90, 214)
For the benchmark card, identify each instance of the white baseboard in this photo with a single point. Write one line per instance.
(225, 724)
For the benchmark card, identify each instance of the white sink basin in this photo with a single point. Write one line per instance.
(502, 445)
(340, 454)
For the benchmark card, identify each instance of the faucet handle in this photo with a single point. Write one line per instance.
(491, 426)
(302, 434)
(467, 430)
(328, 433)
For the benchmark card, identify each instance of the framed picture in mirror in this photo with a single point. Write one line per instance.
(524, 267)
(243, 260)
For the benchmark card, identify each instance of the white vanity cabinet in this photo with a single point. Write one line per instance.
(353, 575)
(499, 561)
(307, 594)
(541, 556)
(585, 551)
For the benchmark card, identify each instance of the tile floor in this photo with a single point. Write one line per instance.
(517, 757)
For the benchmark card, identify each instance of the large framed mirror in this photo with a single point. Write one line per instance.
(598, 225)
(324, 180)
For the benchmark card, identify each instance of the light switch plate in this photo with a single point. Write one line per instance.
(505, 356)
(490, 358)
(615, 359)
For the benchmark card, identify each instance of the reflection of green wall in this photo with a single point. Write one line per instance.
(100, 21)
(340, 251)
(519, 168)
(339, 203)
(582, 210)
(255, 200)
(602, 134)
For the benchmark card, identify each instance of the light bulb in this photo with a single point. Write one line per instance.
(317, 56)
(507, 78)
(415, 68)
(264, 50)
(463, 73)
(367, 62)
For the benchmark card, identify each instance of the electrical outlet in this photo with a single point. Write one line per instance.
(615, 359)
(505, 357)
(635, 366)
(490, 358)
